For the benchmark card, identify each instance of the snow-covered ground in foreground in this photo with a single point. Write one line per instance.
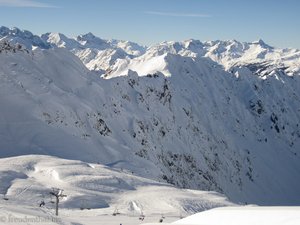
(94, 192)
(246, 215)
(17, 215)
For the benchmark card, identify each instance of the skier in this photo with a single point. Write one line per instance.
(42, 203)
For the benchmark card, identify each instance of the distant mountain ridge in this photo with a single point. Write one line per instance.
(24, 37)
(100, 55)
(219, 115)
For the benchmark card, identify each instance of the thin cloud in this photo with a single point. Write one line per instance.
(25, 3)
(177, 14)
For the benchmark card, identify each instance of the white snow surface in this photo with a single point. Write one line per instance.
(94, 192)
(247, 215)
(220, 115)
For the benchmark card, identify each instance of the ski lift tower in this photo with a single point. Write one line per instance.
(58, 194)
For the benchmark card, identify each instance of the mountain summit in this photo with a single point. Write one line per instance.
(24, 37)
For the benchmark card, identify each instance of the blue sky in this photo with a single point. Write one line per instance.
(277, 22)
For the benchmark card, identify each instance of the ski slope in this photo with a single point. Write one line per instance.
(94, 192)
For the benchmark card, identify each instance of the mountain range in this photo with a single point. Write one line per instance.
(218, 115)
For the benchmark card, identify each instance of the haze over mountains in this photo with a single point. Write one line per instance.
(218, 115)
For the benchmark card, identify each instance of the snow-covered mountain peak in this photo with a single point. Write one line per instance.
(87, 36)
(144, 65)
(61, 41)
(129, 47)
(262, 44)
(193, 44)
(23, 37)
(168, 47)
(4, 30)
(89, 40)
(13, 31)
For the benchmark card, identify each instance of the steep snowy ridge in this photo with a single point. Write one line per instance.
(172, 114)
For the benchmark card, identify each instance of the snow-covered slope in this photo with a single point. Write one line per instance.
(245, 216)
(175, 115)
(232, 121)
(27, 181)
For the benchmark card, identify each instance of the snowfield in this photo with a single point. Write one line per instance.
(252, 215)
(94, 192)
